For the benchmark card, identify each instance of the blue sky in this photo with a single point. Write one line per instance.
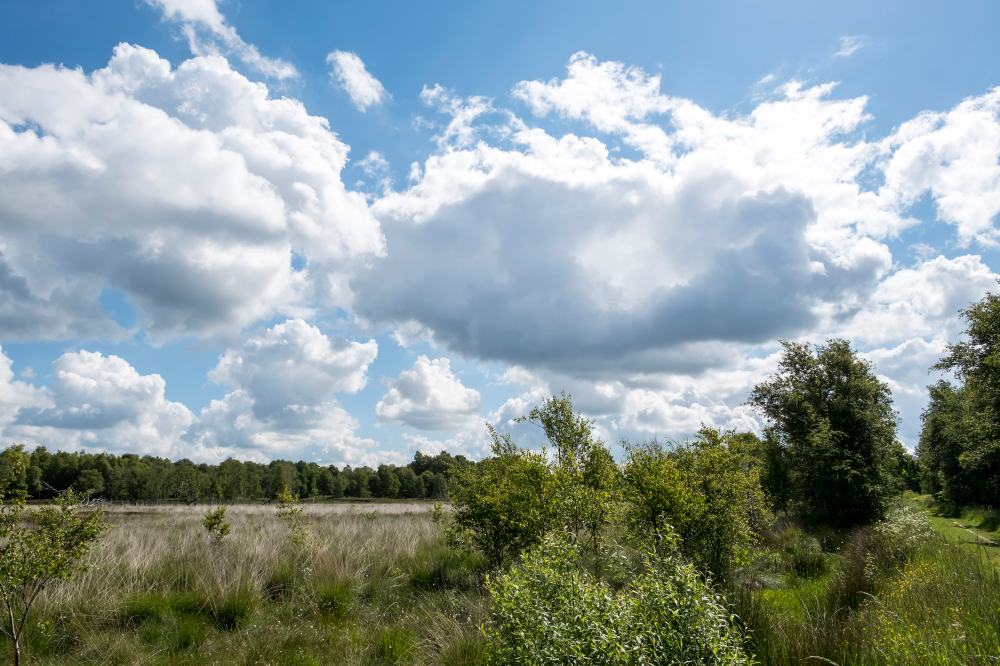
(344, 231)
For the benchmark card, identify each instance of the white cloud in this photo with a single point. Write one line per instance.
(584, 262)
(101, 402)
(429, 396)
(955, 157)
(293, 365)
(849, 45)
(923, 300)
(188, 189)
(283, 404)
(349, 70)
(208, 33)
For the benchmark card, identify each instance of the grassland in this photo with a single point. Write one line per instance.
(375, 584)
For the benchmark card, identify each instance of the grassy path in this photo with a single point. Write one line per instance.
(963, 534)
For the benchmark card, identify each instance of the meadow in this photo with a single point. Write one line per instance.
(363, 589)
(378, 583)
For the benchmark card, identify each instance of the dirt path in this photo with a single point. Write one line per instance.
(975, 533)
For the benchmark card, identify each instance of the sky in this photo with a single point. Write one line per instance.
(344, 232)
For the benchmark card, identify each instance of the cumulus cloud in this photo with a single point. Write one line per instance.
(429, 396)
(102, 402)
(922, 301)
(350, 73)
(282, 404)
(955, 157)
(653, 286)
(208, 33)
(736, 230)
(294, 365)
(645, 256)
(284, 381)
(188, 189)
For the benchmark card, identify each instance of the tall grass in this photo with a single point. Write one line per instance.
(898, 595)
(372, 584)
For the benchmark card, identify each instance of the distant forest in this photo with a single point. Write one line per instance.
(133, 478)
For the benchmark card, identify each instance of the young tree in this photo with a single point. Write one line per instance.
(836, 421)
(215, 524)
(503, 505)
(707, 492)
(38, 551)
(290, 513)
(585, 476)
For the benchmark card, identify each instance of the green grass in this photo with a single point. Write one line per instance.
(388, 590)
(973, 529)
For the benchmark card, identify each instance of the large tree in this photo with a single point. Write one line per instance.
(837, 424)
(960, 442)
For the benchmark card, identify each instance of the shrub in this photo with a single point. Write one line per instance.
(548, 610)
(707, 492)
(215, 523)
(503, 504)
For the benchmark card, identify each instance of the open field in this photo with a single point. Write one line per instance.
(365, 589)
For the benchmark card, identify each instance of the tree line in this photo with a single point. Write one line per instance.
(42, 474)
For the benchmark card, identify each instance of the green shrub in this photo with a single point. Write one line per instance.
(214, 522)
(548, 610)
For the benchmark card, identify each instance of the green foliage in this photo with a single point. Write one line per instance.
(707, 492)
(38, 549)
(503, 505)
(802, 553)
(506, 503)
(548, 610)
(585, 477)
(441, 568)
(133, 478)
(290, 513)
(836, 420)
(214, 522)
(960, 441)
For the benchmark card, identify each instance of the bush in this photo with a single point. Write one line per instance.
(548, 610)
